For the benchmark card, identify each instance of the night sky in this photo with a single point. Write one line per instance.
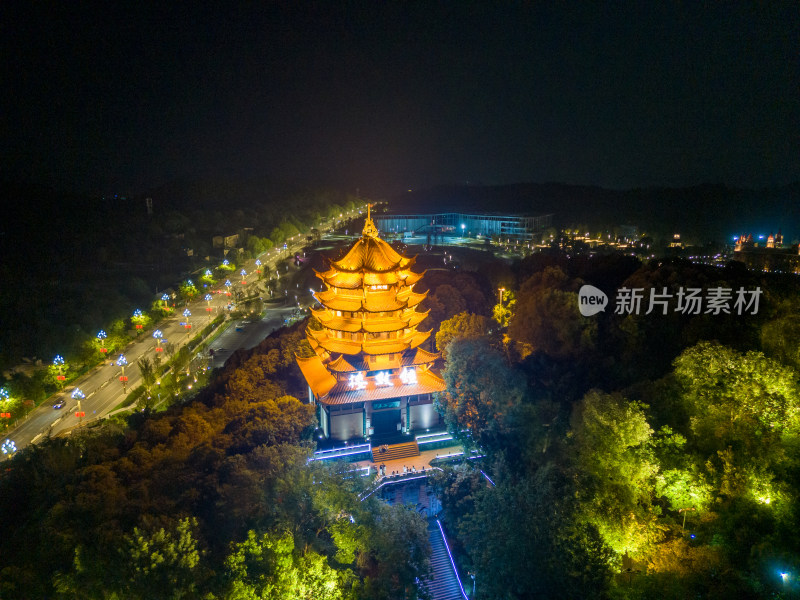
(390, 96)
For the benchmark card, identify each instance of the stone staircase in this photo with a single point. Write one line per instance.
(395, 451)
(442, 583)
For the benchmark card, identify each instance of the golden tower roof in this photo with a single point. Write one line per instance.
(368, 317)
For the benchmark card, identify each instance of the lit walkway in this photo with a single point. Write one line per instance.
(443, 583)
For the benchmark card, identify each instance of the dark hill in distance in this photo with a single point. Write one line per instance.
(700, 213)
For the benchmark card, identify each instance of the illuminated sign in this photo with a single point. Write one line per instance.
(357, 381)
(408, 376)
(383, 378)
(390, 404)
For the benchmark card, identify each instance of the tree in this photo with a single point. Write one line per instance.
(483, 392)
(462, 326)
(148, 372)
(525, 540)
(162, 562)
(744, 400)
(268, 566)
(546, 317)
(615, 469)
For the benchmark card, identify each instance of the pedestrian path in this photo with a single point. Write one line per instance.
(443, 582)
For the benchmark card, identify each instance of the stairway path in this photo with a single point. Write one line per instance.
(443, 583)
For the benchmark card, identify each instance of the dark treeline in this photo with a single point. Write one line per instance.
(72, 264)
(605, 432)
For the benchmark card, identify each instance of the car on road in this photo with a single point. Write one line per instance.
(220, 349)
(59, 404)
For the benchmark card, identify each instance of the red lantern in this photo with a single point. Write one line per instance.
(80, 414)
(123, 378)
(60, 377)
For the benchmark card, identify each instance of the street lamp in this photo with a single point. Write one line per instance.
(101, 335)
(258, 267)
(121, 362)
(4, 398)
(58, 361)
(157, 334)
(78, 395)
(187, 313)
(208, 301)
(165, 300)
(244, 277)
(684, 511)
(9, 447)
(228, 285)
(500, 294)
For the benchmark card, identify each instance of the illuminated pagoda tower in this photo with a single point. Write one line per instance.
(369, 377)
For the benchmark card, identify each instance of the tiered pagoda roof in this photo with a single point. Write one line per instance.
(369, 317)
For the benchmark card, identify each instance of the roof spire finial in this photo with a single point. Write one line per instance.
(369, 227)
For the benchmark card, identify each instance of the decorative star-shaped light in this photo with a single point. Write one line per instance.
(244, 273)
(258, 263)
(58, 360)
(157, 334)
(208, 273)
(165, 297)
(225, 263)
(77, 394)
(208, 298)
(137, 314)
(4, 394)
(9, 447)
(228, 283)
(187, 313)
(122, 361)
(101, 335)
